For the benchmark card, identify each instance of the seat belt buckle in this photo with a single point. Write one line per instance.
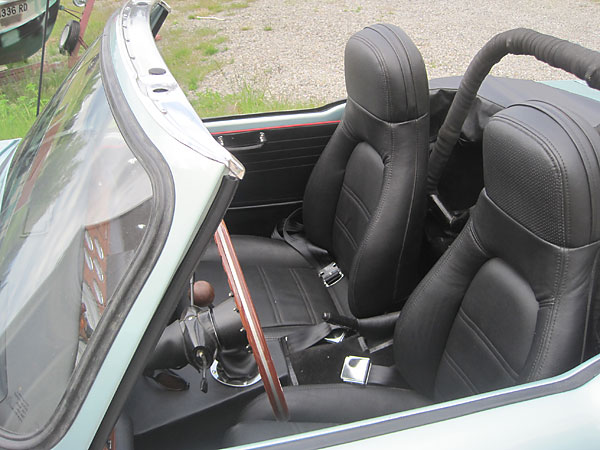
(330, 274)
(356, 370)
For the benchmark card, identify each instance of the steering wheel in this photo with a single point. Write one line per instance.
(256, 337)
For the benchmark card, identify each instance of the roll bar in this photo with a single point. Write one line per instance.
(573, 58)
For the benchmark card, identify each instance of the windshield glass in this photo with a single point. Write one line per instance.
(76, 206)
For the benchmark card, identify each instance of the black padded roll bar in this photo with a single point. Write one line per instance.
(573, 58)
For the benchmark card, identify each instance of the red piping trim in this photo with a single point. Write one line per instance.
(276, 128)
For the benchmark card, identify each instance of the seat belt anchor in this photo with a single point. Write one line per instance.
(330, 274)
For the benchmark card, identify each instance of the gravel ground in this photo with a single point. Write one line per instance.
(293, 49)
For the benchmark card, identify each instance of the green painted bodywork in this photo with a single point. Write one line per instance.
(329, 113)
(576, 87)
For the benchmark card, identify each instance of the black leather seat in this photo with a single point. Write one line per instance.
(364, 202)
(508, 303)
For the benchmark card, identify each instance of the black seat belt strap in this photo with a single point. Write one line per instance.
(317, 257)
(308, 336)
(383, 375)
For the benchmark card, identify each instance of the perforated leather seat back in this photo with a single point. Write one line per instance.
(509, 301)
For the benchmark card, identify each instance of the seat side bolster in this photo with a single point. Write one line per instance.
(426, 320)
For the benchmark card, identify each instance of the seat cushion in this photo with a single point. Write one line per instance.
(286, 290)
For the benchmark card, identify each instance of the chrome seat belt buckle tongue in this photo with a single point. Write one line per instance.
(356, 370)
(330, 274)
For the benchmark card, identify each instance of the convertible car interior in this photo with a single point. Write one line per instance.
(381, 284)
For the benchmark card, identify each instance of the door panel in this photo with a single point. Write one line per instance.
(278, 159)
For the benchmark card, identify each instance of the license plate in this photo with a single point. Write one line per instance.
(13, 13)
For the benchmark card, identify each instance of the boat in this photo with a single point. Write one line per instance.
(21, 27)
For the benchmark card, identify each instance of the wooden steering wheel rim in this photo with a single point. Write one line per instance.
(256, 337)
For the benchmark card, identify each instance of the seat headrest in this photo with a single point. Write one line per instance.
(385, 74)
(542, 168)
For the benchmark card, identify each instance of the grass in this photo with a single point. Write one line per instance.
(248, 99)
(17, 114)
(18, 101)
(210, 50)
(191, 56)
(191, 53)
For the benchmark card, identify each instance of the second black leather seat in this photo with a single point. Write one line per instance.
(364, 203)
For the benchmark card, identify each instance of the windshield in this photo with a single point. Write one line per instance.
(74, 212)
